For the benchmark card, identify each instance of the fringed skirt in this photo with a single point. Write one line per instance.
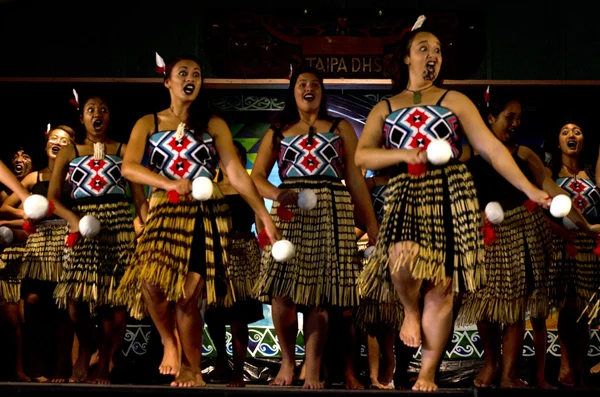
(517, 265)
(575, 273)
(326, 264)
(11, 260)
(244, 265)
(373, 315)
(45, 251)
(94, 266)
(188, 236)
(439, 213)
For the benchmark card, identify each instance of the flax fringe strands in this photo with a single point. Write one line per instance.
(523, 246)
(45, 251)
(576, 274)
(432, 215)
(163, 251)
(94, 266)
(244, 265)
(326, 264)
(10, 283)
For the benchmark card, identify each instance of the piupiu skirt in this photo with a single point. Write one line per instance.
(45, 251)
(11, 260)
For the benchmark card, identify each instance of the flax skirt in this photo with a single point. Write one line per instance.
(94, 266)
(179, 238)
(439, 212)
(517, 266)
(45, 251)
(326, 264)
(11, 259)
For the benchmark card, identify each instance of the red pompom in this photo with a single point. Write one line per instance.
(417, 169)
(72, 239)
(489, 235)
(597, 249)
(51, 208)
(29, 227)
(530, 205)
(284, 214)
(173, 197)
(263, 239)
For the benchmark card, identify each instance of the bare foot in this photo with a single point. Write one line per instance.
(313, 384)
(21, 377)
(99, 381)
(352, 383)
(284, 376)
(80, 369)
(542, 384)
(595, 369)
(94, 359)
(424, 385)
(39, 379)
(512, 383)
(486, 375)
(410, 332)
(170, 362)
(188, 378)
(565, 376)
(237, 383)
(375, 384)
(59, 380)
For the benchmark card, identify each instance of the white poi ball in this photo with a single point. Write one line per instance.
(89, 226)
(369, 251)
(283, 251)
(439, 152)
(36, 206)
(307, 199)
(568, 224)
(494, 212)
(6, 234)
(202, 188)
(561, 206)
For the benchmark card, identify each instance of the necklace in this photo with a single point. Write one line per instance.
(311, 130)
(180, 128)
(417, 94)
(99, 149)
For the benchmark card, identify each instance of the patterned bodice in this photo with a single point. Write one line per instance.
(378, 195)
(415, 127)
(94, 178)
(188, 158)
(584, 193)
(298, 157)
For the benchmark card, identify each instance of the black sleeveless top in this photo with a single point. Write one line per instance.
(242, 216)
(41, 188)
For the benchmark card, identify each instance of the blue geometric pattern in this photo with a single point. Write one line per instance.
(300, 158)
(584, 193)
(416, 126)
(94, 178)
(188, 158)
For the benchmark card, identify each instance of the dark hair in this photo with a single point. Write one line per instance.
(289, 115)
(63, 127)
(498, 102)
(243, 155)
(199, 112)
(400, 81)
(586, 156)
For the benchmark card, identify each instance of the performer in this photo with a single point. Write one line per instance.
(314, 152)
(185, 243)
(244, 270)
(575, 270)
(93, 266)
(41, 270)
(430, 232)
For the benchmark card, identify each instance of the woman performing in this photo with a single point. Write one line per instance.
(93, 266)
(183, 250)
(430, 234)
(48, 333)
(575, 271)
(244, 270)
(314, 152)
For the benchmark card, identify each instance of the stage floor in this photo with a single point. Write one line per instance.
(71, 390)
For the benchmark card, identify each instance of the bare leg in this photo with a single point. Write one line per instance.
(512, 345)
(113, 328)
(161, 313)
(539, 341)
(315, 335)
(64, 346)
(408, 288)
(382, 379)
(437, 322)
(595, 369)
(239, 331)
(349, 332)
(373, 354)
(190, 327)
(80, 317)
(285, 320)
(11, 313)
(566, 325)
(491, 337)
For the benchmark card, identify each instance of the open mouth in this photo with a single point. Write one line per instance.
(55, 149)
(309, 97)
(18, 167)
(430, 66)
(97, 124)
(189, 89)
(572, 144)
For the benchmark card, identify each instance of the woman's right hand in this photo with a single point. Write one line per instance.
(287, 197)
(181, 186)
(415, 156)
